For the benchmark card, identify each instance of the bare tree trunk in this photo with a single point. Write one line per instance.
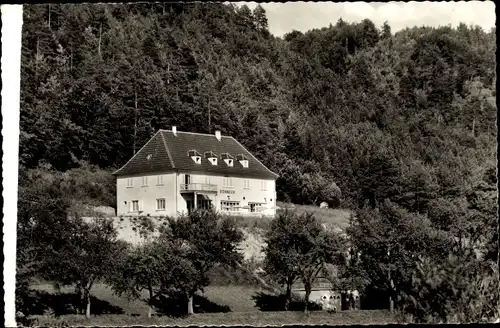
(37, 55)
(288, 296)
(190, 305)
(150, 303)
(168, 73)
(135, 118)
(391, 301)
(391, 283)
(99, 47)
(87, 297)
(49, 16)
(79, 295)
(209, 117)
(306, 298)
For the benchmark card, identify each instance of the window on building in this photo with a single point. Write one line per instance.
(255, 207)
(204, 204)
(195, 156)
(228, 159)
(135, 206)
(243, 160)
(144, 181)
(160, 180)
(246, 184)
(227, 182)
(212, 157)
(230, 206)
(130, 183)
(160, 204)
(263, 185)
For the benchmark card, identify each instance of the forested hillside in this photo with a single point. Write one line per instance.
(349, 103)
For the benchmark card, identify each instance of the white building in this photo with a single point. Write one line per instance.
(175, 172)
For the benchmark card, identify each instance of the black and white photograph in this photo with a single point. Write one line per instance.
(245, 163)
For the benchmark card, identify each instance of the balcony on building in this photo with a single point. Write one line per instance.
(198, 187)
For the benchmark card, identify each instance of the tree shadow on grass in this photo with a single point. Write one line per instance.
(41, 302)
(272, 302)
(176, 306)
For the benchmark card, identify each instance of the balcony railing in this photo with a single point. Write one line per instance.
(192, 187)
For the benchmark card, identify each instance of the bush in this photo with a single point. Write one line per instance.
(453, 291)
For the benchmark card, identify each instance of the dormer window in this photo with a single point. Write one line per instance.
(243, 160)
(212, 157)
(228, 159)
(195, 156)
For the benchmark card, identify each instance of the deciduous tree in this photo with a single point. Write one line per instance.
(298, 248)
(159, 267)
(90, 253)
(208, 239)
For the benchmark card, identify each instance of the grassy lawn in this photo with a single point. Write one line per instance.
(237, 298)
(231, 305)
(334, 217)
(337, 217)
(231, 318)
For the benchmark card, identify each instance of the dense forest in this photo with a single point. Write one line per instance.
(403, 123)
(348, 104)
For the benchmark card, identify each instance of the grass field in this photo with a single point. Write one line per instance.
(338, 218)
(335, 217)
(231, 318)
(229, 305)
(237, 298)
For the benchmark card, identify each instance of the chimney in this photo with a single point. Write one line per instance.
(217, 135)
(174, 130)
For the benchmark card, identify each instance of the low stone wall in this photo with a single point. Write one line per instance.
(252, 246)
(137, 230)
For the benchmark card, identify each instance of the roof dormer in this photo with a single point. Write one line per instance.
(195, 156)
(212, 157)
(243, 160)
(228, 159)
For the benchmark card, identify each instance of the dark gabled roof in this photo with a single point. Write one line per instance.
(160, 160)
(169, 152)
